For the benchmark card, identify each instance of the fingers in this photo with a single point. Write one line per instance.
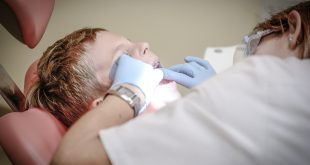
(202, 62)
(173, 75)
(179, 78)
(186, 69)
(194, 71)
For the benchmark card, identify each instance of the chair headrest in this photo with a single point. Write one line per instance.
(30, 137)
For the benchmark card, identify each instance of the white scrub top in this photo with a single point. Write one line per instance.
(257, 112)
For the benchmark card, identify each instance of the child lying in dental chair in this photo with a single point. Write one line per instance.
(72, 76)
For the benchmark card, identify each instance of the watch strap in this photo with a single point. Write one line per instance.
(126, 94)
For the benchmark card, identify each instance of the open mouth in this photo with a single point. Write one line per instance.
(157, 65)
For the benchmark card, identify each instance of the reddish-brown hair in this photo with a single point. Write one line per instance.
(279, 24)
(67, 82)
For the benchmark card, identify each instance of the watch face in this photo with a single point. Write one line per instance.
(127, 95)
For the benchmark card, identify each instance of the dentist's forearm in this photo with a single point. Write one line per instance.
(81, 144)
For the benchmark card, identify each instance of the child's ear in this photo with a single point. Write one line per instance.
(96, 102)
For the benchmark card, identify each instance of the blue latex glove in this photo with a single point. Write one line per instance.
(190, 74)
(137, 73)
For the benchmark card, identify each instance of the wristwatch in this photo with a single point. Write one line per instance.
(128, 96)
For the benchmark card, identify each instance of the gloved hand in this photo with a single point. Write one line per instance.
(190, 74)
(137, 73)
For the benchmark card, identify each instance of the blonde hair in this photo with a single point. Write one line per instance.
(279, 24)
(67, 82)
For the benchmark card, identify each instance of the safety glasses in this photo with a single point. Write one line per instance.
(252, 41)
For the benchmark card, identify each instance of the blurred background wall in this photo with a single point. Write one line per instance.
(174, 28)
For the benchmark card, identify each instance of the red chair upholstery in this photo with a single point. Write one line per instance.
(30, 137)
(26, 20)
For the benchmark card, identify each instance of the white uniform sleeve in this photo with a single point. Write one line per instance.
(255, 113)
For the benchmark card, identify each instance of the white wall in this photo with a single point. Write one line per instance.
(174, 28)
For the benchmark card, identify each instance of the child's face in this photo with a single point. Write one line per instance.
(109, 46)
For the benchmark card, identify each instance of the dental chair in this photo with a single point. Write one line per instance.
(31, 136)
(27, 136)
(27, 22)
